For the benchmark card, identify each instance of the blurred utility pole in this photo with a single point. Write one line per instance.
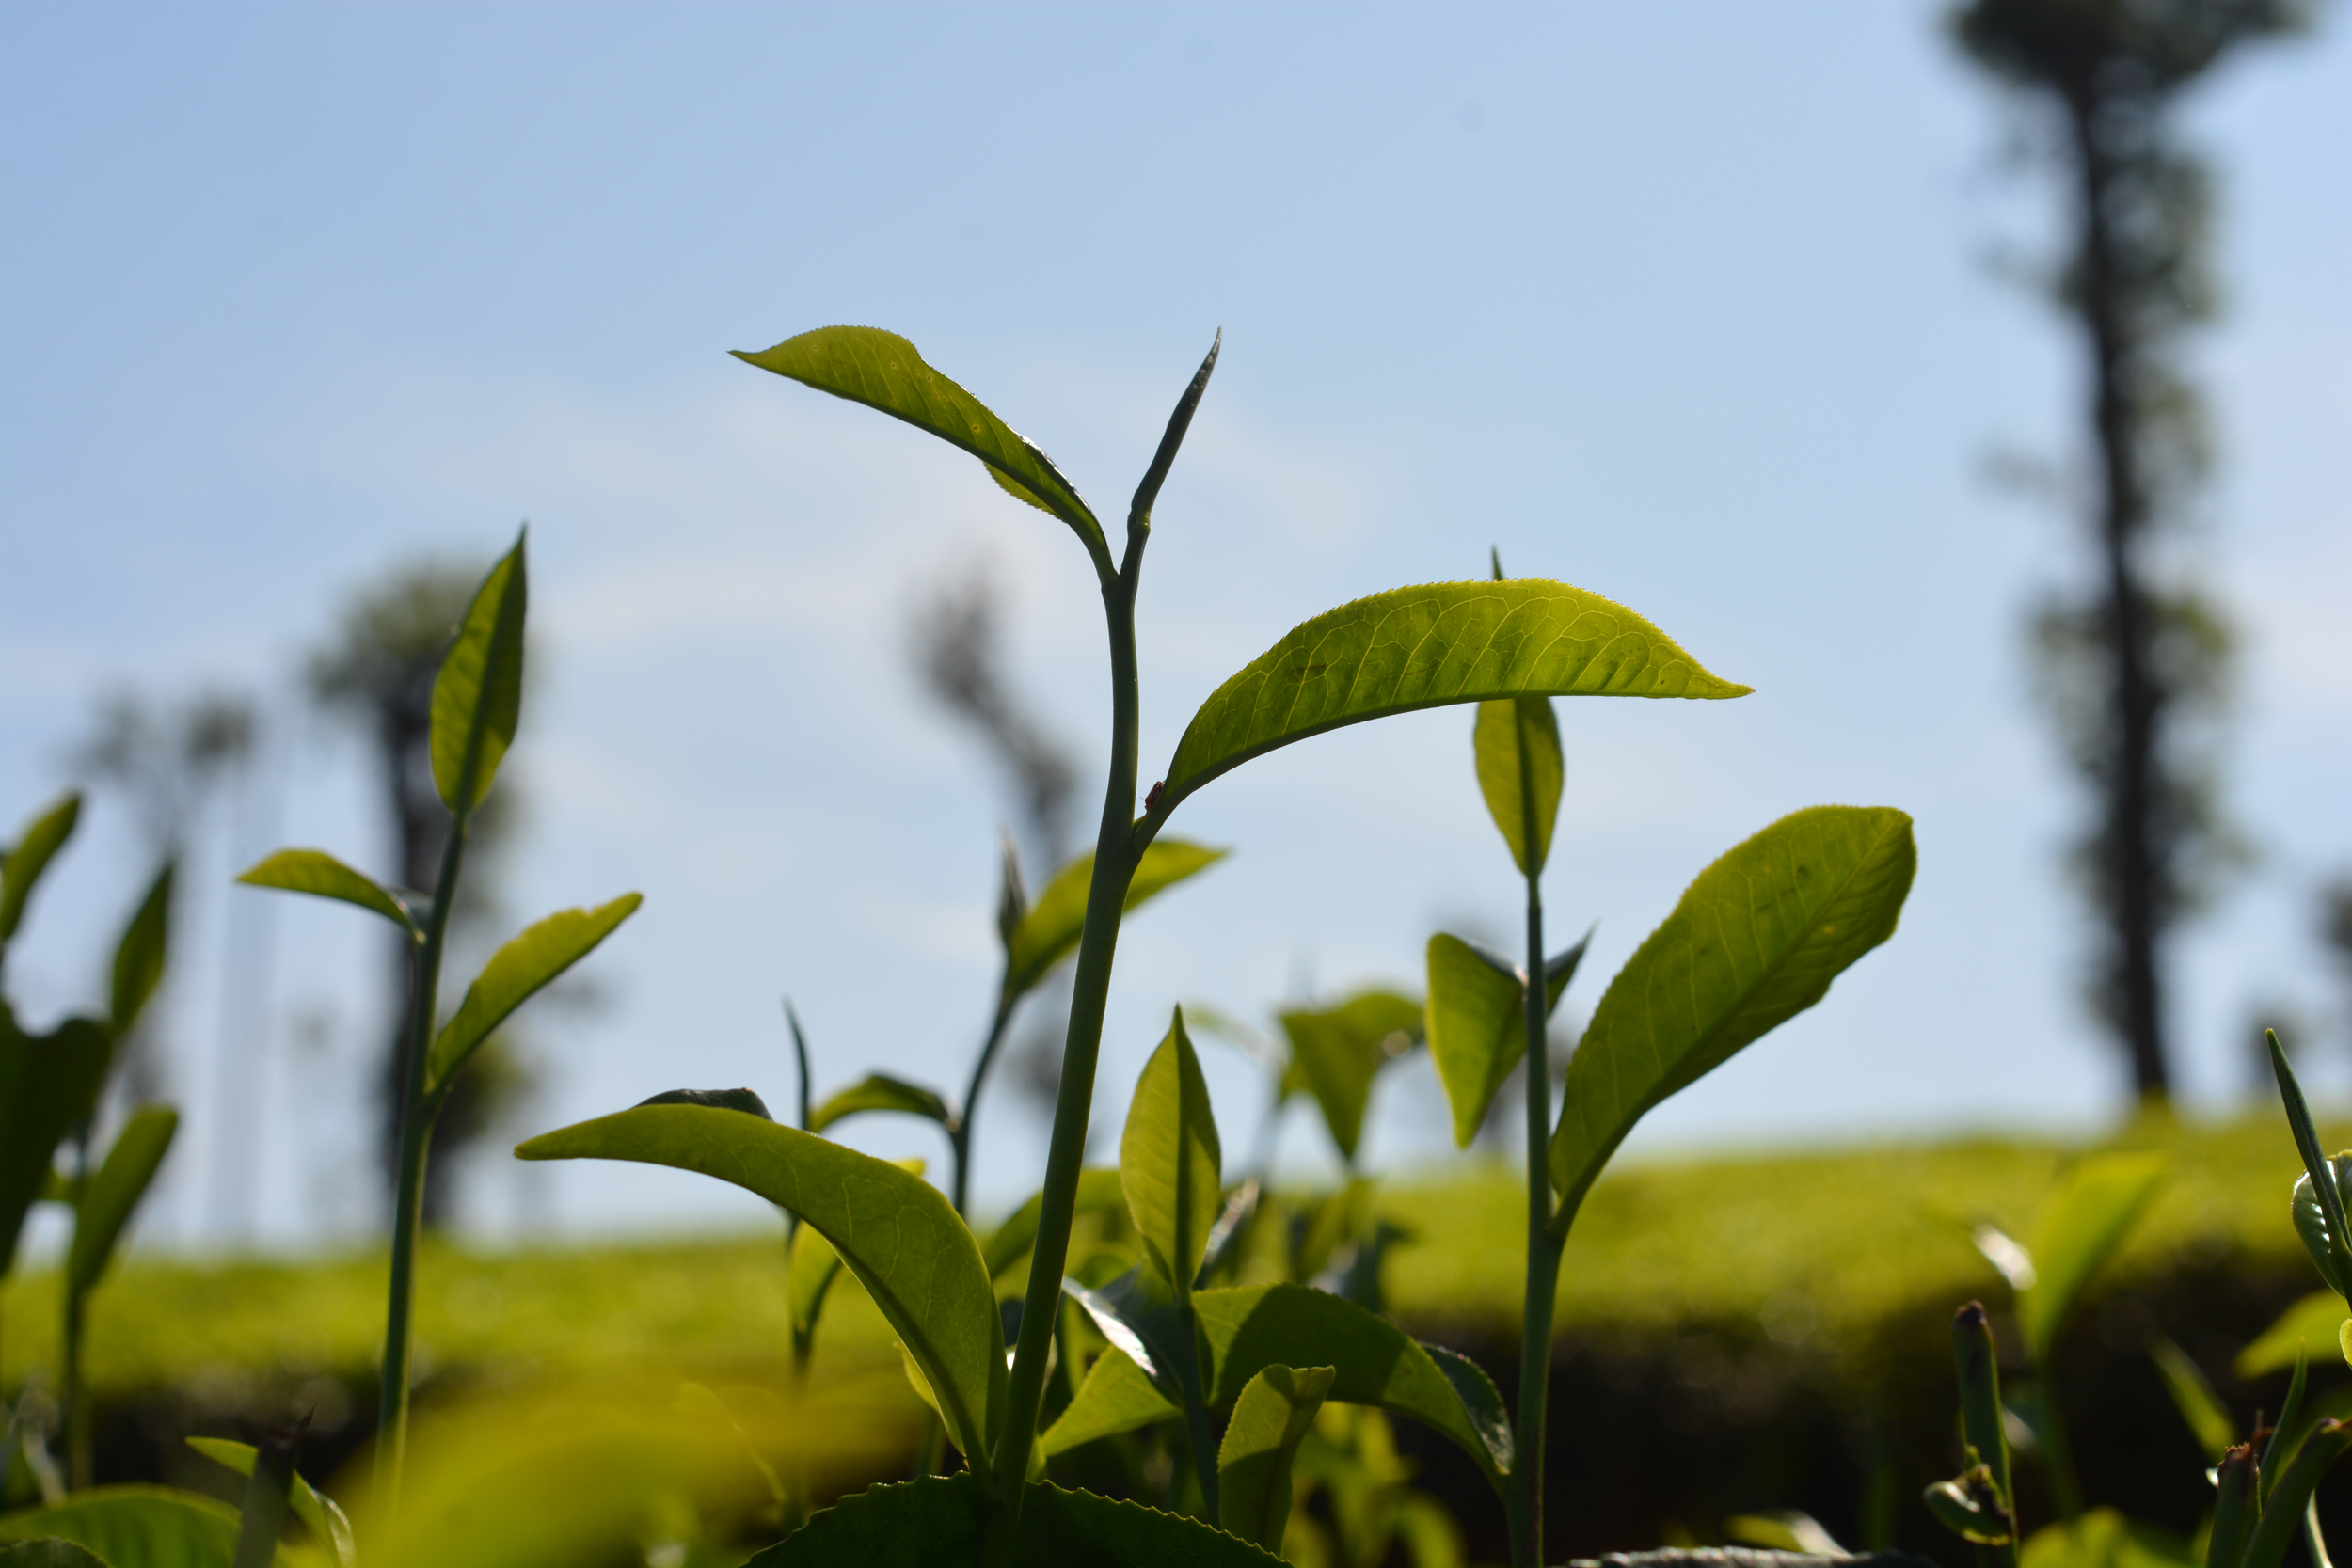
(2133, 665)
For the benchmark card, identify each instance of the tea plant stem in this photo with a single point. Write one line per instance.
(79, 1450)
(1542, 1254)
(960, 1136)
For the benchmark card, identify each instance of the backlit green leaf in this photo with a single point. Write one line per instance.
(1524, 809)
(879, 1091)
(894, 1232)
(1049, 932)
(321, 876)
(135, 1527)
(1477, 1029)
(1099, 1189)
(2084, 1222)
(1756, 939)
(515, 973)
(139, 956)
(1422, 647)
(48, 1084)
(1339, 1050)
(2194, 1398)
(478, 695)
(882, 371)
(1169, 1160)
(1253, 1463)
(1117, 1396)
(115, 1190)
(2315, 1319)
(316, 1510)
(40, 839)
(810, 1269)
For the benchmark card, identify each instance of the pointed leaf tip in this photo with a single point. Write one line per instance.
(1169, 1160)
(478, 694)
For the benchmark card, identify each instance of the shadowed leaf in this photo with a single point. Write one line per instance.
(53, 1552)
(1099, 1189)
(810, 1269)
(1338, 1052)
(115, 1190)
(515, 973)
(724, 1099)
(139, 956)
(1169, 1160)
(1505, 730)
(2102, 1196)
(1049, 930)
(879, 1091)
(40, 839)
(314, 1508)
(478, 695)
(135, 1527)
(48, 1084)
(1477, 1031)
(2194, 1398)
(321, 876)
(1253, 1463)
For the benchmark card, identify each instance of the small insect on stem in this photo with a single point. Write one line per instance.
(1151, 800)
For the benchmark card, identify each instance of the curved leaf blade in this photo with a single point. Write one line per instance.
(320, 1512)
(154, 1527)
(1099, 1190)
(35, 844)
(1049, 930)
(884, 372)
(140, 955)
(1337, 1052)
(2317, 1318)
(48, 1084)
(50, 1552)
(879, 1091)
(2103, 1196)
(1756, 938)
(1253, 1463)
(478, 695)
(1414, 648)
(321, 876)
(1169, 1164)
(811, 1266)
(115, 1191)
(514, 974)
(894, 1232)
(1117, 1396)
(1477, 1031)
(1504, 731)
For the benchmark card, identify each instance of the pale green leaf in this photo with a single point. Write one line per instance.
(894, 1232)
(2101, 1198)
(321, 876)
(1050, 929)
(1477, 1029)
(1422, 647)
(1169, 1160)
(478, 695)
(115, 1190)
(2193, 1396)
(1524, 808)
(35, 843)
(879, 1091)
(139, 956)
(48, 1084)
(515, 973)
(1253, 1463)
(2315, 1319)
(325, 1519)
(883, 371)
(1099, 1190)
(1756, 938)
(135, 1527)
(2104, 1538)
(1339, 1050)
(1117, 1396)
(811, 1266)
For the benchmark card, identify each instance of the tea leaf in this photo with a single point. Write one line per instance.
(1477, 1029)
(55, 1552)
(321, 876)
(2313, 1319)
(1422, 647)
(1117, 1396)
(139, 956)
(116, 1189)
(811, 1267)
(325, 1519)
(2101, 1198)
(1169, 1160)
(151, 1526)
(1099, 1190)
(884, 372)
(745, 1100)
(1049, 930)
(514, 974)
(1503, 730)
(1756, 939)
(1253, 1464)
(1339, 1050)
(2194, 1398)
(40, 839)
(879, 1091)
(2282, 1510)
(2311, 1223)
(48, 1084)
(894, 1232)
(478, 695)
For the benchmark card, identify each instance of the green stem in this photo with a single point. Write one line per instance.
(1197, 1432)
(960, 1136)
(80, 1451)
(1543, 1256)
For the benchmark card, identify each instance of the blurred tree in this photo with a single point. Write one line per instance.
(2132, 669)
(378, 671)
(2335, 931)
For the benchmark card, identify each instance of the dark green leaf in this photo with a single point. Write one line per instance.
(51, 1552)
(1169, 1160)
(321, 876)
(2102, 1196)
(314, 1508)
(515, 973)
(879, 1091)
(894, 1232)
(1136, 1313)
(115, 1190)
(2235, 1506)
(2310, 1210)
(883, 371)
(1012, 896)
(1339, 1050)
(1523, 809)
(724, 1099)
(135, 1527)
(48, 1084)
(1117, 1396)
(1049, 930)
(1424, 647)
(1477, 1029)
(2286, 1431)
(2333, 1256)
(1756, 939)
(2282, 1513)
(478, 695)
(40, 839)
(1099, 1190)
(1253, 1463)
(139, 956)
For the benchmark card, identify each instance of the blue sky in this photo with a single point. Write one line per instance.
(1687, 305)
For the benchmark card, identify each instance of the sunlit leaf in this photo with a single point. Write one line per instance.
(314, 1508)
(2104, 1538)
(1099, 1190)
(1477, 1029)
(2102, 1196)
(1422, 647)
(1524, 808)
(810, 1268)
(48, 1084)
(1169, 1160)
(115, 1189)
(894, 1232)
(2313, 1320)
(2194, 1398)
(1137, 1314)
(1756, 938)
(321, 876)
(1117, 1396)
(515, 973)
(879, 1091)
(29, 856)
(1253, 1463)
(478, 695)
(1339, 1050)
(135, 1527)
(139, 956)
(882, 371)
(1049, 930)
